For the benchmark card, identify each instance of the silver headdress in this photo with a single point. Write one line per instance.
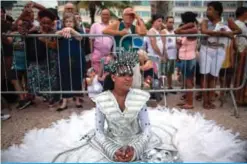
(123, 63)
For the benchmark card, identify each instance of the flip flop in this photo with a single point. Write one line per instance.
(206, 106)
(212, 106)
(183, 97)
(180, 104)
(187, 106)
(199, 97)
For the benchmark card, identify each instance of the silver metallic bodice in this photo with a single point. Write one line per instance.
(122, 126)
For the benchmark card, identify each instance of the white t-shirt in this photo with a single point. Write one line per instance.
(222, 40)
(241, 41)
(171, 45)
(159, 43)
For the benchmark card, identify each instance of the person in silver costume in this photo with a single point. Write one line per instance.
(129, 135)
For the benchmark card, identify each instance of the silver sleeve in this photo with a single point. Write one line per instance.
(109, 146)
(140, 143)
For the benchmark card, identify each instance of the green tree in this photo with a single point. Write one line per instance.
(92, 6)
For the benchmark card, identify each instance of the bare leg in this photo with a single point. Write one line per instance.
(78, 102)
(169, 81)
(204, 84)
(64, 103)
(189, 95)
(18, 87)
(212, 84)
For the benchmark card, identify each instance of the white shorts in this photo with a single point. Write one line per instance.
(211, 60)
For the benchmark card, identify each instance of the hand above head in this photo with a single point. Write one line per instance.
(137, 16)
(30, 5)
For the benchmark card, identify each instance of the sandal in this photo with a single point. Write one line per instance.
(209, 106)
(221, 99)
(187, 106)
(199, 97)
(60, 109)
(212, 106)
(180, 104)
(206, 106)
(183, 97)
(79, 106)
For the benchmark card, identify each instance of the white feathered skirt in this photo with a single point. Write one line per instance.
(196, 139)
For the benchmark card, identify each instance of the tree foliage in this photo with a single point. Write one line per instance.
(94, 6)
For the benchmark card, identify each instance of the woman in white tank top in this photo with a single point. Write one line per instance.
(155, 45)
(158, 42)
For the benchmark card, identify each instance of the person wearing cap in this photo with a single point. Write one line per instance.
(119, 29)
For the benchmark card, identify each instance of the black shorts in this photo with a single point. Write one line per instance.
(228, 72)
(17, 74)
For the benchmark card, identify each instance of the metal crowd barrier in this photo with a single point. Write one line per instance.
(58, 55)
(231, 89)
(164, 90)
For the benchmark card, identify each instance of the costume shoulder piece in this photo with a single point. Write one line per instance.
(138, 95)
(101, 98)
(106, 102)
(135, 101)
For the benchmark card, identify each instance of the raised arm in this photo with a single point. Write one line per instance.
(140, 26)
(112, 29)
(189, 28)
(205, 30)
(35, 5)
(232, 25)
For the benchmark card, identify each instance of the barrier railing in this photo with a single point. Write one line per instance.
(36, 36)
(230, 88)
(48, 70)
